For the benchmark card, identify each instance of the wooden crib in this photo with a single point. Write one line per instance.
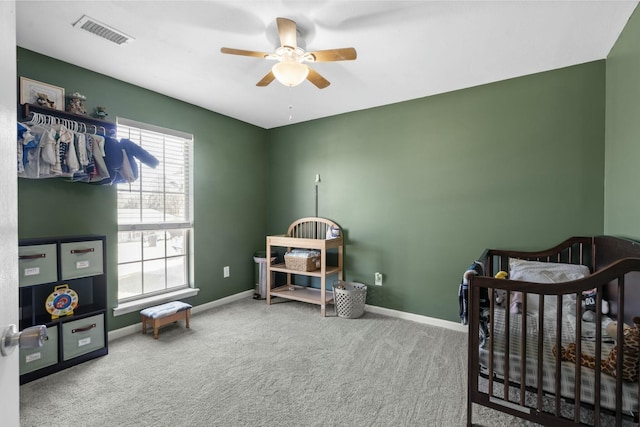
(514, 363)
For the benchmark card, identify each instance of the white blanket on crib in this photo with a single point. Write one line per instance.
(567, 384)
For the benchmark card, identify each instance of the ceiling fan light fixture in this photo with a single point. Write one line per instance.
(290, 73)
(290, 69)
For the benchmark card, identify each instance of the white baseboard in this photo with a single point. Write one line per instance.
(222, 301)
(417, 318)
(136, 328)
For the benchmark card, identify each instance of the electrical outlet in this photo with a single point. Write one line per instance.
(226, 271)
(378, 279)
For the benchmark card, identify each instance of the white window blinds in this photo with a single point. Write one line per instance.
(161, 196)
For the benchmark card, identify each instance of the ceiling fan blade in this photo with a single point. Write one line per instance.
(344, 54)
(253, 53)
(287, 32)
(315, 78)
(266, 79)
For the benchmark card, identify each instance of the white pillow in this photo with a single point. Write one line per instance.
(545, 272)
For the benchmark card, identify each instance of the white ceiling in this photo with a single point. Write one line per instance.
(406, 49)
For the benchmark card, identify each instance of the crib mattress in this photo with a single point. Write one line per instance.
(567, 382)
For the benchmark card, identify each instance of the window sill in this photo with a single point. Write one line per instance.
(131, 306)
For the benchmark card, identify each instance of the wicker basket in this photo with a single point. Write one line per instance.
(349, 299)
(301, 263)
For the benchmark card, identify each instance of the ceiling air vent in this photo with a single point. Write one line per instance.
(99, 29)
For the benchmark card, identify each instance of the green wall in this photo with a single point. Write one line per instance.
(622, 174)
(423, 187)
(229, 183)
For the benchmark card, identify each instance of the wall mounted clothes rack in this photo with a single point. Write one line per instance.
(57, 144)
(72, 125)
(57, 116)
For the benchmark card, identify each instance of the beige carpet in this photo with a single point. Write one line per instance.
(249, 364)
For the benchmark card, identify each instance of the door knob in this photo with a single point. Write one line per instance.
(32, 337)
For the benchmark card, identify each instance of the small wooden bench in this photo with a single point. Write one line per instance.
(164, 314)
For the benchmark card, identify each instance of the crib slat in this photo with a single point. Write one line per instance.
(620, 344)
(581, 255)
(523, 352)
(507, 347)
(558, 355)
(578, 366)
(540, 350)
(598, 357)
(491, 340)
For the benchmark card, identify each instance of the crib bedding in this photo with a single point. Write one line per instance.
(567, 383)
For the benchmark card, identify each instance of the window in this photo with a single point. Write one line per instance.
(155, 214)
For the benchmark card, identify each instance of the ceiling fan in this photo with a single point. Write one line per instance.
(290, 69)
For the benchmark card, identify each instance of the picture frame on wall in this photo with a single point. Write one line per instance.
(42, 94)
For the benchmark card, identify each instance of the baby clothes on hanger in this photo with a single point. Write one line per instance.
(26, 142)
(121, 160)
(48, 148)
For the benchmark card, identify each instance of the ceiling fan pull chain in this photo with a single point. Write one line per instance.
(290, 105)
